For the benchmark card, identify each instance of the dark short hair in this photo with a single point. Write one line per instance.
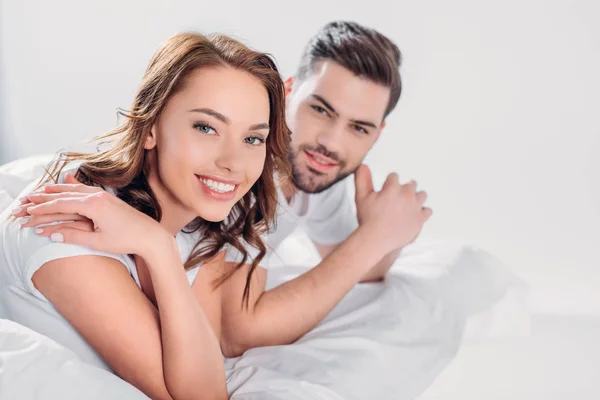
(364, 51)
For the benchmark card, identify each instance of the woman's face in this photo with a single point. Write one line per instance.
(210, 144)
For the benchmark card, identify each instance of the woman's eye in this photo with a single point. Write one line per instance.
(254, 140)
(206, 129)
(320, 110)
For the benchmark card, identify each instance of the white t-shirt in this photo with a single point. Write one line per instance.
(23, 252)
(328, 218)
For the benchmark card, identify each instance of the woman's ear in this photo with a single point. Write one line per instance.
(150, 141)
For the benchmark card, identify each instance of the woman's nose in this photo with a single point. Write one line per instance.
(230, 157)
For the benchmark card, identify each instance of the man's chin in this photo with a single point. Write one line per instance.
(313, 184)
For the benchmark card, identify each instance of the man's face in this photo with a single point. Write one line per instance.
(335, 118)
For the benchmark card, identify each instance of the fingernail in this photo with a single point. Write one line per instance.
(57, 237)
(24, 220)
(39, 230)
(17, 210)
(23, 199)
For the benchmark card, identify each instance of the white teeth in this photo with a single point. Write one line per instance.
(217, 186)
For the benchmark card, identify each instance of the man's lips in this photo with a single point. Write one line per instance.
(320, 162)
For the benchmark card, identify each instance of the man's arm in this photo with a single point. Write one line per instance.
(286, 312)
(376, 273)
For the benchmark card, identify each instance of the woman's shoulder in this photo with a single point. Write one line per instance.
(24, 252)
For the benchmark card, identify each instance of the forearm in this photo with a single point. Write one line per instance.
(379, 271)
(285, 313)
(192, 360)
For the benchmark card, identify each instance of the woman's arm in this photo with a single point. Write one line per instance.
(100, 299)
(191, 360)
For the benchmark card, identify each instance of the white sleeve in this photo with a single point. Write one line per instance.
(333, 216)
(33, 251)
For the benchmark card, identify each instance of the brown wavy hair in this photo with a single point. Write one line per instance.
(123, 165)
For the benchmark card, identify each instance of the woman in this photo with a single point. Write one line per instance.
(189, 172)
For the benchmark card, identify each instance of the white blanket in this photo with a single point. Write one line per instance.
(383, 341)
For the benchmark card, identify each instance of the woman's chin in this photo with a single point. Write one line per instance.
(214, 215)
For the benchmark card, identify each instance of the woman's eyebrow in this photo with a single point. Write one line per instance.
(212, 113)
(226, 120)
(258, 127)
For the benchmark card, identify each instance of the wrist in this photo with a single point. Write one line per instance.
(155, 245)
(375, 239)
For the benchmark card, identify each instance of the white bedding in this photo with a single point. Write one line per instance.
(383, 341)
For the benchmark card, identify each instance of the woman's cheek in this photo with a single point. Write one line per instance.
(259, 165)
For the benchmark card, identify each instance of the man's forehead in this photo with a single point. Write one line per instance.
(351, 96)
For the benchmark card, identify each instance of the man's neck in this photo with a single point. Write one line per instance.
(289, 190)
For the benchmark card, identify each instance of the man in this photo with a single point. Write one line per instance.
(347, 83)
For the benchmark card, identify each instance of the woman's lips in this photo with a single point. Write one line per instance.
(214, 192)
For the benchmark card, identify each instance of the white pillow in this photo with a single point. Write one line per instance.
(16, 175)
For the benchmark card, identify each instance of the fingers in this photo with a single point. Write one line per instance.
(21, 211)
(70, 178)
(391, 181)
(48, 230)
(39, 198)
(411, 186)
(71, 185)
(363, 182)
(70, 188)
(421, 197)
(427, 212)
(29, 221)
(73, 236)
(74, 205)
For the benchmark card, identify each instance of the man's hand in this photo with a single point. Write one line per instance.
(395, 215)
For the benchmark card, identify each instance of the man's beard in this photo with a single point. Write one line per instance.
(308, 181)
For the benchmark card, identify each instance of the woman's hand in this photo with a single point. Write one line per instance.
(58, 220)
(91, 217)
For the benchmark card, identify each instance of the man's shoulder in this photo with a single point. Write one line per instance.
(330, 201)
(336, 191)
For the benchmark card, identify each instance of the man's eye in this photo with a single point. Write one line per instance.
(320, 110)
(360, 129)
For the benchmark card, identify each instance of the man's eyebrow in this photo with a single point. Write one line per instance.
(354, 121)
(325, 103)
(365, 123)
